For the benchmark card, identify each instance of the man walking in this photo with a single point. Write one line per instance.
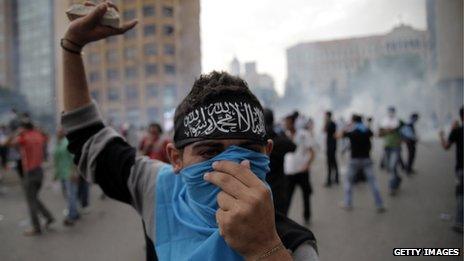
(360, 139)
(330, 128)
(31, 143)
(297, 165)
(389, 130)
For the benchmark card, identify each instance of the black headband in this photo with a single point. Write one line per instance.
(223, 119)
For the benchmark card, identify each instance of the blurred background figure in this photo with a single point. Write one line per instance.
(389, 130)
(409, 136)
(3, 150)
(31, 144)
(153, 145)
(330, 129)
(297, 164)
(456, 137)
(360, 136)
(66, 174)
(276, 177)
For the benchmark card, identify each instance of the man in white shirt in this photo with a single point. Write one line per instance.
(297, 165)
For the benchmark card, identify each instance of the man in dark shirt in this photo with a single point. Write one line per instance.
(330, 128)
(359, 136)
(455, 137)
(276, 177)
(409, 136)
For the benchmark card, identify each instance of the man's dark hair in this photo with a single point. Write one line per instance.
(27, 124)
(357, 118)
(156, 125)
(329, 114)
(211, 87)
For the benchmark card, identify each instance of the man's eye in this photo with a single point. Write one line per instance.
(209, 153)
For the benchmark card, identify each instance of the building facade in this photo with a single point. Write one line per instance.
(36, 52)
(141, 76)
(445, 24)
(325, 67)
(8, 41)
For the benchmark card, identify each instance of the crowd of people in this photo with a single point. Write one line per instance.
(202, 189)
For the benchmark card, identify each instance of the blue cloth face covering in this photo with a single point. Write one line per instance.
(186, 205)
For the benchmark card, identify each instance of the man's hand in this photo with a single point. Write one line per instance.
(246, 215)
(89, 29)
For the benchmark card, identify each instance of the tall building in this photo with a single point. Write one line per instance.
(445, 25)
(261, 84)
(36, 51)
(140, 76)
(325, 67)
(8, 41)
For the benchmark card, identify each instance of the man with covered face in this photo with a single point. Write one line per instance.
(211, 202)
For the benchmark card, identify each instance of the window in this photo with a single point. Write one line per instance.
(114, 117)
(95, 94)
(152, 114)
(129, 14)
(112, 74)
(151, 90)
(130, 53)
(168, 11)
(133, 116)
(130, 34)
(148, 10)
(169, 49)
(113, 94)
(169, 95)
(132, 92)
(151, 69)
(131, 72)
(111, 56)
(169, 69)
(168, 30)
(94, 76)
(94, 58)
(149, 29)
(150, 49)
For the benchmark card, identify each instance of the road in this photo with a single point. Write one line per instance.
(419, 216)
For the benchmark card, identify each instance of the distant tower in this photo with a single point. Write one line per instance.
(234, 67)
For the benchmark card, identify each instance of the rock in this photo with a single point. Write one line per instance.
(111, 17)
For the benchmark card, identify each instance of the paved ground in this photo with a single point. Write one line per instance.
(420, 216)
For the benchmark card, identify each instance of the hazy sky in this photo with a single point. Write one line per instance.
(261, 30)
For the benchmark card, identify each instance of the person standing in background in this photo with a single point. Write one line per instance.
(456, 137)
(389, 130)
(408, 133)
(31, 143)
(330, 128)
(64, 171)
(360, 139)
(297, 165)
(276, 177)
(152, 145)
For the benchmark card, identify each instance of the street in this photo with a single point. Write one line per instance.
(420, 215)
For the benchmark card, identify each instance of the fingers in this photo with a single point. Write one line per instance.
(96, 15)
(227, 183)
(88, 3)
(240, 171)
(127, 26)
(220, 216)
(110, 4)
(225, 201)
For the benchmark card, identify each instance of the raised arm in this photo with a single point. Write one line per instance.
(79, 33)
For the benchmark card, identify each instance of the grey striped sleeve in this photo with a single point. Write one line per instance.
(142, 186)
